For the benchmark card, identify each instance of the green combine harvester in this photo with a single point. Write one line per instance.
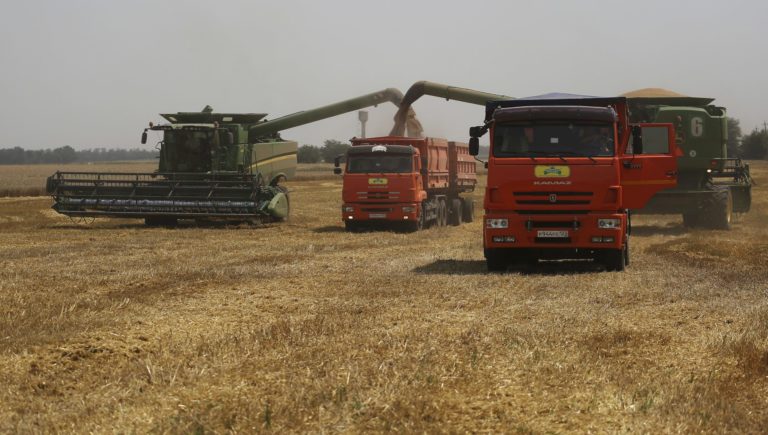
(213, 167)
(711, 187)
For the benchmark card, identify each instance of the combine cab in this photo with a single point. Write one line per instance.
(213, 166)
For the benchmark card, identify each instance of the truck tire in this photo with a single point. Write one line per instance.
(442, 213)
(719, 210)
(614, 259)
(416, 225)
(468, 210)
(352, 226)
(626, 252)
(691, 219)
(495, 261)
(455, 216)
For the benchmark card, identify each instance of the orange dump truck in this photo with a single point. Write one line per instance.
(563, 173)
(406, 183)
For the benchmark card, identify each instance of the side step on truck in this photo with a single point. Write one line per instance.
(397, 182)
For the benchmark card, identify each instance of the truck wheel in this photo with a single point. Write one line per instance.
(720, 210)
(495, 261)
(468, 210)
(442, 213)
(691, 219)
(626, 252)
(614, 259)
(352, 227)
(416, 225)
(455, 218)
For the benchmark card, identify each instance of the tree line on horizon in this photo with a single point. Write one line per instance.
(67, 154)
(753, 145)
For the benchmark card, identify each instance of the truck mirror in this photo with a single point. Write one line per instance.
(230, 138)
(336, 161)
(475, 131)
(337, 171)
(474, 146)
(637, 139)
(144, 137)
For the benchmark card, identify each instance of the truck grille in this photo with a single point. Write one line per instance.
(553, 198)
(379, 195)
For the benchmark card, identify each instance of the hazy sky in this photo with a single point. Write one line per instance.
(93, 73)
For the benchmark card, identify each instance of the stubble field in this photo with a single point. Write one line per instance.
(300, 327)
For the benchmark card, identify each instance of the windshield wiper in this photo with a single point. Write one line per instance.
(549, 154)
(574, 154)
(517, 154)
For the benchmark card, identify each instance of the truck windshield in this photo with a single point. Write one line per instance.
(380, 163)
(553, 139)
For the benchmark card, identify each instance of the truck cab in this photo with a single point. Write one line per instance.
(563, 174)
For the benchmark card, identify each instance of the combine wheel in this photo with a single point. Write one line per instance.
(468, 210)
(455, 216)
(719, 211)
(284, 190)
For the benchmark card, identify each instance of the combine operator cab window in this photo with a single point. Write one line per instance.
(190, 151)
(554, 139)
(379, 163)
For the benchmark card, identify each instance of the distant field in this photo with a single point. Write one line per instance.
(301, 327)
(29, 180)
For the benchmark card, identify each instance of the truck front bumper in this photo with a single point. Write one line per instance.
(380, 212)
(554, 232)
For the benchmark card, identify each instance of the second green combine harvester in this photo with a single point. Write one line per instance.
(710, 185)
(213, 166)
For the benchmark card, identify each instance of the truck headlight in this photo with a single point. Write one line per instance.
(348, 209)
(608, 223)
(496, 223)
(409, 209)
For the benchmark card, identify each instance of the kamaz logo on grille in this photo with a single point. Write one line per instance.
(552, 171)
(552, 198)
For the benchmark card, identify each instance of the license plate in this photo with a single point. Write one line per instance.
(551, 234)
(377, 215)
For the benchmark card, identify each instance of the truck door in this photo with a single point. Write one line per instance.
(653, 169)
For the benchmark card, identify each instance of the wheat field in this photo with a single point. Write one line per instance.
(301, 327)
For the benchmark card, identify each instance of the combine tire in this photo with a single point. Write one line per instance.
(468, 210)
(719, 210)
(495, 261)
(455, 217)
